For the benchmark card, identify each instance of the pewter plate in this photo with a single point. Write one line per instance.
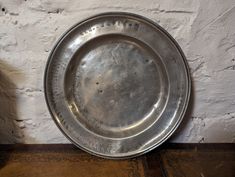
(117, 85)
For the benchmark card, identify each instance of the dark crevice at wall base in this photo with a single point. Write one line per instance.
(71, 147)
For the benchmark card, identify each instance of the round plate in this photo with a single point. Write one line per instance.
(117, 85)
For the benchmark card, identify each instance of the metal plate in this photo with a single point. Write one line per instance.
(117, 85)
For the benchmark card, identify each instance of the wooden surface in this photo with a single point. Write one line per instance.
(205, 161)
(170, 160)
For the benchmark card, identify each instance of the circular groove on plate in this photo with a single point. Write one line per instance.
(117, 85)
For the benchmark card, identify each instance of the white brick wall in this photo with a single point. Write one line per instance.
(205, 29)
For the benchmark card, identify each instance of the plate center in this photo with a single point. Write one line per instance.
(116, 86)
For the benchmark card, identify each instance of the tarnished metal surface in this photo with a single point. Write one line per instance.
(117, 85)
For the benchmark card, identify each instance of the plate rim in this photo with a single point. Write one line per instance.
(188, 85)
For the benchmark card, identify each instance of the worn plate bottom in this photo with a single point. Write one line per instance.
(116, 86)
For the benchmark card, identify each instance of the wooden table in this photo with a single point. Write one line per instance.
(170, 160)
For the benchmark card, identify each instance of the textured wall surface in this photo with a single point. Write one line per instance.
(205, 29)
